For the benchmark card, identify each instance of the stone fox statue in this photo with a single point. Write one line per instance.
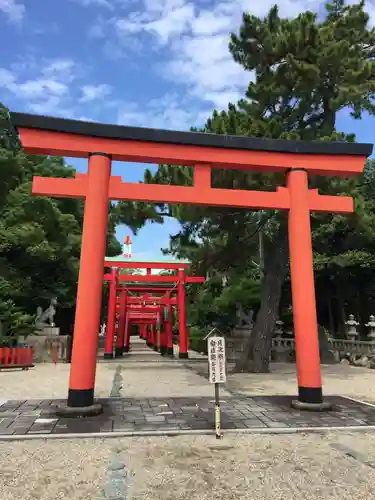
(45, 318)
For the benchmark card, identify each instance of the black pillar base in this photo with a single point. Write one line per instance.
(183, 355)
(170, 351)
(149, 344)
(108, 355)
(80, 404)
(126, 348)
(311, 399)
(118, 352)
(163, 350)
(156, 348)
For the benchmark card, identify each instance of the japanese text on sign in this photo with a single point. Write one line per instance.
(216, 360)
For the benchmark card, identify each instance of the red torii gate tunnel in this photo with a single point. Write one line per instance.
(146, 327)
(102, 144)
(178, 282)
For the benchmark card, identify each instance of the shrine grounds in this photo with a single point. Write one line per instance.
(292, 466)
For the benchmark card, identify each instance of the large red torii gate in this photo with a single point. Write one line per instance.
(102, 144)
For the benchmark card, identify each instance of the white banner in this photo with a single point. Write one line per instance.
(216, 360)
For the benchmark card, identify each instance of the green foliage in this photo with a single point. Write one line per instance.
(306, 71)
(40, 240)
(8, 135)
(14, 322)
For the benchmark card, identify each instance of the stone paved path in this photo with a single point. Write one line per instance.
(166, 414)
(153, 393)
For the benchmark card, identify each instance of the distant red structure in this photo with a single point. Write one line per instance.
(127, 249)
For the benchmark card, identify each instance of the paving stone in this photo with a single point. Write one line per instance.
(156, 418)
(115, 489)
(5, 422)
(124, 427)
(46, 428)
(253, 423)
(9, 414)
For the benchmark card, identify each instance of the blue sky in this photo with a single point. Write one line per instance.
(151, 63)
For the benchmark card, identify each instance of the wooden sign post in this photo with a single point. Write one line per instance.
(217, 372)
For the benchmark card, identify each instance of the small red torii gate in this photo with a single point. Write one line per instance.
(115, 279)
(140, 313)
(165, 324)
(169, 301)
(102, 144)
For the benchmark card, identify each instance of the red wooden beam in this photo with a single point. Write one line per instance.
(47, 142)
(150, 300)
(146, 265)
(142, 315)
(141, 321)
(155, 193)
(154, 278)
(144, 309)
(147, 289)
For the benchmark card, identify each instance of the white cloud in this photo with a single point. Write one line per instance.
(39, 89)
(168, 112)
(50, 87)
(108, 4)
(95, 92)
(13, 10)
(47, 91)
(204, 65)
(163, 19)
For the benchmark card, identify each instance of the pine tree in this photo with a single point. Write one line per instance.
(304, 72)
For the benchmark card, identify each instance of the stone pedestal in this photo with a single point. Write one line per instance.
(49, 348)
(51, 331)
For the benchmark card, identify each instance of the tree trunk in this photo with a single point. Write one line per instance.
(331, 317)
(341, 317)
(256, 355)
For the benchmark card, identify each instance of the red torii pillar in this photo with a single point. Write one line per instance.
(181, 310)
(169, 326)
(120, 340)
(142, 332)
(111, 320)
(89, 293)
(126, 347)
(98, 142)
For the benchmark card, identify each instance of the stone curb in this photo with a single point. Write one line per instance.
(181, 432)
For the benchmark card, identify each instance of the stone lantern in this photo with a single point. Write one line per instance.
(371, 327)
(278, 328)
(352, 327)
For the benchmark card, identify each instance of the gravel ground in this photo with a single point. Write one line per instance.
(52, 470)
(295, 467)
(248, 468)
(242, 467)
(49, 381)
(148, 380)
(341, 380)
